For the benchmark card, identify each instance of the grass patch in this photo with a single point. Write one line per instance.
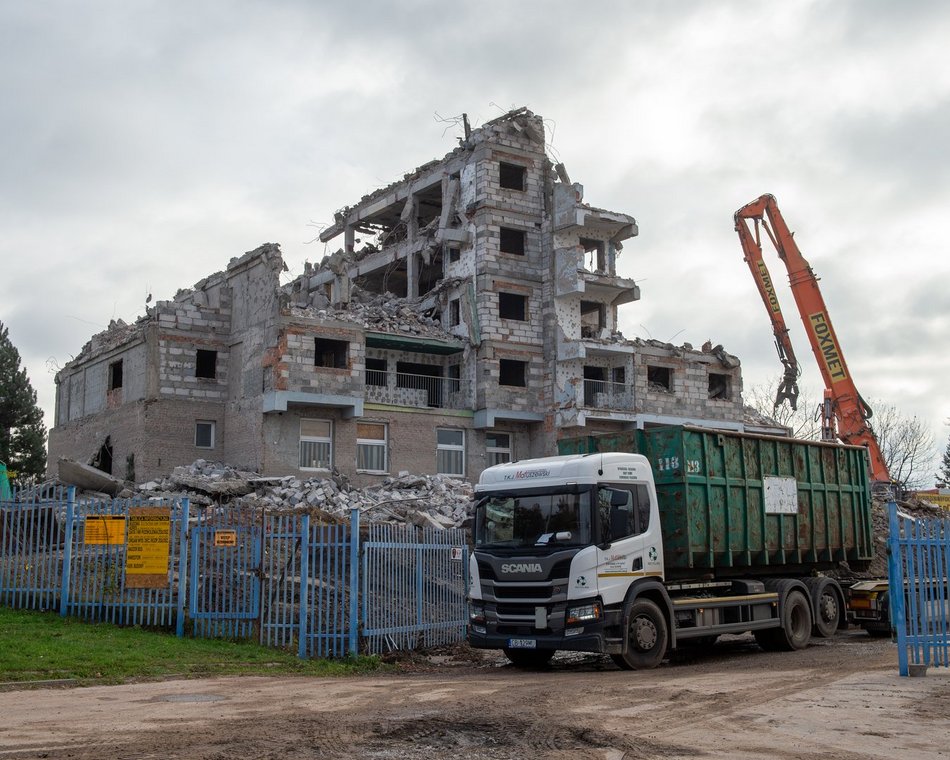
(38, 646)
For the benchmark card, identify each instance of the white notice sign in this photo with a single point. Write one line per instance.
(781, 496)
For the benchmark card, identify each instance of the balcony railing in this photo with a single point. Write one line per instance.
(403, 389)
(600, 394)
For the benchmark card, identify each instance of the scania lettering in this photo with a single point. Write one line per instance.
(642, 542)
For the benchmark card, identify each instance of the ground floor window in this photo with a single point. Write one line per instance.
(450, 451)
(204, 434)
(371, 447)
(316, 444)
(497, 448)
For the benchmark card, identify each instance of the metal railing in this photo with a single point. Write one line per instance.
(601, 394)
(404, 389)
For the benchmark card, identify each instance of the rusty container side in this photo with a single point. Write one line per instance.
(711, 488)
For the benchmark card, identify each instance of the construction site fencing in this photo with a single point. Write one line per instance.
(919, 565)
(321, 588)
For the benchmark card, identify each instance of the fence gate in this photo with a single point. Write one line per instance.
(414, 586)
(919, 563)
(224, 579)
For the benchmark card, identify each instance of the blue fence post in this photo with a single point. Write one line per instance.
(302, 628)
(354, 581)
(182, 568)
(67, 551)
(895, 585)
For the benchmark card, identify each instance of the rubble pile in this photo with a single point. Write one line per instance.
(430, 501)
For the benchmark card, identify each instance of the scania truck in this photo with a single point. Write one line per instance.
(642, 542)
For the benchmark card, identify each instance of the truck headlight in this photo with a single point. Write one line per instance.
(476, 613)
(584, 613)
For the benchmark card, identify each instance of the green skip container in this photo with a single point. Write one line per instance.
(739, 503)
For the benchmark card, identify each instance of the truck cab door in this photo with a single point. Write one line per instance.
(628, 547)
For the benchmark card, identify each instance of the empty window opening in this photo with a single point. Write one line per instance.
(375, 371)
(511, 176)
(594, 254)
(115, 375)
(512, 372)
(497, 448)
(593, 318)
(618, 375)
(130, 468)
(455, 312)
(206, 363)
(450, 452)
(392, 278)
(103, 458)
(371, 447)
(512, 241)
(660, 378)
(719, 386)
(424, 377)
(316, 444)
(431, 273)
(594, 383)
(513, 306)
(455, 255)
(330, 353)
(204, 434)
(455, 378)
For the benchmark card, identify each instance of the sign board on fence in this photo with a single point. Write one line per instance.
(458, 553)
(104, 529)
(225, 538)
(147, 548)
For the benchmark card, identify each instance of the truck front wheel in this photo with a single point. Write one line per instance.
(645, 637)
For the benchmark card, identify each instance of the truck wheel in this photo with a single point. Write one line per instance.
(529, 658)
(795, 632)
(645, 637)
(827, 606)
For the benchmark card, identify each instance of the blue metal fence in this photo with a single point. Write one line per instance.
(286, 580)
(919, 565)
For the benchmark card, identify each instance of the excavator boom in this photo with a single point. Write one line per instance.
(845, 412)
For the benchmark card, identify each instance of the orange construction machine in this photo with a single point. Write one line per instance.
(844, 413)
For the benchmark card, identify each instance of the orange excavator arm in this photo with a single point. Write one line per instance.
(845, 413)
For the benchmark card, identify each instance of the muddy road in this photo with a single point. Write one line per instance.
(840, 699)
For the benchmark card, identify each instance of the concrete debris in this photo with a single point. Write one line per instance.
(88, 478)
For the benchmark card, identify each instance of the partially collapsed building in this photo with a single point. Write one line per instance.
(469, 317)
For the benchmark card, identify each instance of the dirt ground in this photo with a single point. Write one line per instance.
(840, 699)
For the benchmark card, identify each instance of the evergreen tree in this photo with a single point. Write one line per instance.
(943, 475)
(22, 432)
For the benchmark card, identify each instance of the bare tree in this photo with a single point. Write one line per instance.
(804, 422)
(907, 444)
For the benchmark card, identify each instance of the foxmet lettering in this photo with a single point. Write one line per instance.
(826, 344)
(769, 288)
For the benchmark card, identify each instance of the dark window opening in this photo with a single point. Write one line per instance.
(426, 377)
(593, 318)
(719, 386)
(513, 306)
(103, 458)
(594, 383)
(511, 176)
(660, 378)
(455, 254)
(115, 376)
(455, 378)
(512, 372)
(619, 375)
(428, 205)
(330, 353)
(594, 254)
(512, 241)
(375, 371)
(455, 312)
(206, 363)
(431, 273)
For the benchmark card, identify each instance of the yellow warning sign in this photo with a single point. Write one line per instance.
(104, 529)
(225, 538)
(937, 499)
(147, 547)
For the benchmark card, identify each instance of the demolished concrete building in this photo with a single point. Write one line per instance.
(470, 318)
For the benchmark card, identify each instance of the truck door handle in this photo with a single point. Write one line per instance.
(637, 563)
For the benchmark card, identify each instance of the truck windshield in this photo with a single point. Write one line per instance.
(533, 518)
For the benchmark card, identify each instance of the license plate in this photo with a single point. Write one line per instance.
(522, 644)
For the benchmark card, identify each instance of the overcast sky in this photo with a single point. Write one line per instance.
(147, 143)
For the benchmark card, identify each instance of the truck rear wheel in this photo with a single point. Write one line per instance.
(529, 658)
(795, 630)
(827, 605)
(645, 637)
